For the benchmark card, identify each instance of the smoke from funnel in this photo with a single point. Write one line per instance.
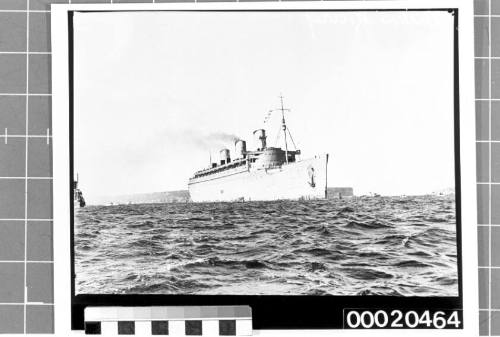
(212, 141)
(222, 137)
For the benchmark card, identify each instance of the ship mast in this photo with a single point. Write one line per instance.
(283, 126)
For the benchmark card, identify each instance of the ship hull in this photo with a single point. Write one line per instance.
(305, 179)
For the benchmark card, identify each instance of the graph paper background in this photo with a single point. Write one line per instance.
(26, 227)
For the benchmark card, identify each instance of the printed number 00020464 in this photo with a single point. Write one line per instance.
(397, 319)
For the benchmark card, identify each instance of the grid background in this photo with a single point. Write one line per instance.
(26, 227)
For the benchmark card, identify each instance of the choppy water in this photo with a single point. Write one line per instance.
(372, 245)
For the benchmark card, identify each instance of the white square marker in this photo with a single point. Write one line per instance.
(210, 327)
(143, 328)
(177, 328)
(243, 327)
(109, 328)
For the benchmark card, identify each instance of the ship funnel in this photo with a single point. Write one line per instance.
(240, 148)
(224, 156)
(260, 138)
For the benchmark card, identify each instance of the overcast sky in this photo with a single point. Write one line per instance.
(374, 90)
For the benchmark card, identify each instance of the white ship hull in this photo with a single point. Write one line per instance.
(305, 179)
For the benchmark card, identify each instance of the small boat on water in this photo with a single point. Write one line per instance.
(78, 199)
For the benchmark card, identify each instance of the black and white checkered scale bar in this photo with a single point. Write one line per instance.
(169, 321)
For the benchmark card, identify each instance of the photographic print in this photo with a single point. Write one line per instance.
(265, 153)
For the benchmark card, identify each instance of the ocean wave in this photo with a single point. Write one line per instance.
(410, 264)
(399, 246)
(366, 273)
(217, 262)
(367, 225)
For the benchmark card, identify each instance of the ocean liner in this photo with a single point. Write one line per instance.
(267, 173)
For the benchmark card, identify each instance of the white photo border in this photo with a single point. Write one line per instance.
(61, 152)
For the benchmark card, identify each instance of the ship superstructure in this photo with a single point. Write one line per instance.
(266, 173)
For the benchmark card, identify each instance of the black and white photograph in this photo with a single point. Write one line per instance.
(199, 176)
(265, 153)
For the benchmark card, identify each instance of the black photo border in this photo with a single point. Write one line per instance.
(274, 311)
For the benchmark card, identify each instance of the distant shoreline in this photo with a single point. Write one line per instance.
(182, 197)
